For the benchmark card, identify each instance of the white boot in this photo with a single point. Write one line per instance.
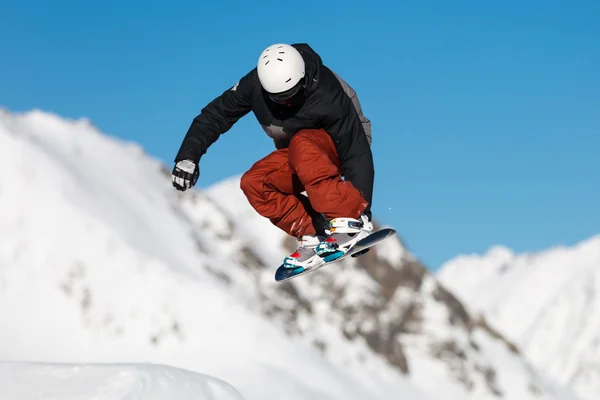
(305, 255)
(343, 235)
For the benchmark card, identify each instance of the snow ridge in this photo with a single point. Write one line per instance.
(546, 302)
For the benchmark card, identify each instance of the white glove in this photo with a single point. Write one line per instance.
(185, 174)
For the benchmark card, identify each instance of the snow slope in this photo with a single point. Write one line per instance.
(546, 302)
(47, 381)
(102, 261)
(99, 264)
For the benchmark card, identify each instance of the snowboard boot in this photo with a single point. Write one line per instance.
(344, 233)
(305, 256)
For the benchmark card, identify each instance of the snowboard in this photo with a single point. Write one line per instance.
(360, 248)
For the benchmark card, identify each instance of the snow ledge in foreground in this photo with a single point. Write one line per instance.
(36, 381)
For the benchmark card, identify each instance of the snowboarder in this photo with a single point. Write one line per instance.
(322, 148)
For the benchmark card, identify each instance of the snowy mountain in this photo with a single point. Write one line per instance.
(102, 261)
(547, 303)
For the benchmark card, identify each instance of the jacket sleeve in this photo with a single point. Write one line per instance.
(352, 145)
(216, 118)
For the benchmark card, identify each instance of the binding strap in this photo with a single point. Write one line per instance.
(345, 225)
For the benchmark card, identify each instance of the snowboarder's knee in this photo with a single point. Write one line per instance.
(250, 180)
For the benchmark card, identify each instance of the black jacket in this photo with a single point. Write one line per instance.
(326, 105)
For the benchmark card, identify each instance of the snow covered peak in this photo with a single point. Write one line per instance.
(68, 137)
(499, 254)
(545, 302)
(468, 271)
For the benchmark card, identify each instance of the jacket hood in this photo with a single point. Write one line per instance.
(313, 63)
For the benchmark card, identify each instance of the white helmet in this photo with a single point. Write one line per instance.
(280, 68)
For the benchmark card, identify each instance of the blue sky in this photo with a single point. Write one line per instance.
(486, 116)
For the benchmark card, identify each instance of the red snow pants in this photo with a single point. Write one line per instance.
(273, 185)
